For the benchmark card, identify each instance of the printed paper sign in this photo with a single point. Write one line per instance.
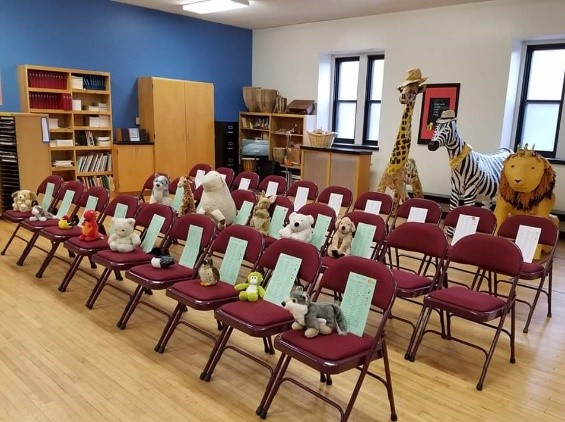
(229, 270)
(48, 196)
(335, 202)
(177, 200)
(282, 280)
(244, 183)
(277, 221)
(272, 188)
(417, 215)
(527, 240)
(363, 240)
(243, 214)
(373, 207)
(301, 198)
(120, 212)
(466, 225)
(356, 302)
(91, 203)
(152, 232)
(320, 230)
(191, 247)
(198, 178)
(65, 204)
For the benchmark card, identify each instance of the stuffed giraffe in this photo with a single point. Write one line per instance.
(400, 170)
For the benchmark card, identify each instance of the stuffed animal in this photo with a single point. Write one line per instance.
(89, 231)
(343, 235)
(64, 223)
(252, 290)
(160, 192)
(187, 205)
(299, 227)
(39, 214)
(23, 200)
(216, 200)
(260, 218)
(124, 238)
(314, 317)
(207, 273)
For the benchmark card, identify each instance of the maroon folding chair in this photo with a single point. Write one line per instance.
(346, 197)
(315, 209)
(148, 186)
(385, 211)
(433, 211)
(486, 224)
(487, 254)
(239, 196)
(82, 248)
(229, 173)
(311, 186)
(263, 319)
(200, 166)
(250, 175)
(287, 206)
(189, 293)
(148, 277)
(279, 180)
(334, 353)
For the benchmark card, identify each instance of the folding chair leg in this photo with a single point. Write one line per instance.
(419, 331)
(132, 304)
(10, 240)
(267, 342)
(273, 386)
(98, 288)
(92, 263)
(549, 291)
(28, 248)
(70, 273)
(388, 378)
(493, 346)
(216, 354)
(47, 260)
(533, 306)
(170, 328)
(118, 275)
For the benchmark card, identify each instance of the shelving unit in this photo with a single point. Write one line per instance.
(79, 106)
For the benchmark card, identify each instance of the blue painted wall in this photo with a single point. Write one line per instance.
(128, 42)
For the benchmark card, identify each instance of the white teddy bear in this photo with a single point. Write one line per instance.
(341, 240)
(124, 238)
(299, 227)
(216, 200)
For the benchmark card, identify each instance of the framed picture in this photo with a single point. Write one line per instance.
(436, 99)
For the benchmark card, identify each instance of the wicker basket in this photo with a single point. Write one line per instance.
(321, 140)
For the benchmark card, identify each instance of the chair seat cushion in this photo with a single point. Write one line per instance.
(194, 290)
(260, 313)
(14, 216)
(532, 268)
(39, 225)
(333, 347)
(468, 299)
(137, 255)
(173, 272)
(76, 243)
(406, 280)
(55, 231)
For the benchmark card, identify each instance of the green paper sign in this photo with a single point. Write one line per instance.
(152, 232)
(242, 216)
(65, 204)
(356, 302)
(277, 221)
(229, 270)
(363, 240)
(191, 247)
(320, 230)
(120, 212)
(282, 279)
(177, 200)
(48, 196)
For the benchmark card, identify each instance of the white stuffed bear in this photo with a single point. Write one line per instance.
(124, 238)
(23, 200)
(216, 200)
(341, 240)
(299, 227)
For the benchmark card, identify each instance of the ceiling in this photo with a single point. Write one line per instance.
(272, 13)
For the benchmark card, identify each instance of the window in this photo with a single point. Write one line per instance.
(357, 96)
(541, 102)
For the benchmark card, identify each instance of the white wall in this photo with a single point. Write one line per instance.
(470, 44)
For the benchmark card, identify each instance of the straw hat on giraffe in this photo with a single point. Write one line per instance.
(413, 75)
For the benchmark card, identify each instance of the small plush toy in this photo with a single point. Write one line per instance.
(187, 205)
(314, 317)
(23, 200)
(124, 238)
(216, 200)
(252, 290)
(207, 273)
(89, 230)
(299, 227)
(39, 214)
(160, 192)
(341, 240)
(260, 218)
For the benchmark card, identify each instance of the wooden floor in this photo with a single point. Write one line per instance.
(60, 361)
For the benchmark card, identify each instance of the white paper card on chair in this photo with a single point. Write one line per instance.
(272, 188)
(335, 202)
(363, 240)
(177, 200)
(417, 215)
(223, 176)
(48, 196)
(229, 270)
(319, 235)
(277, 221)
(244, 183)
(527, 240)
(466, 225)
(373, 207)
(91, 203)
(282, 280)
(198, 178)
(243, 213)
(152, 232)
(65, 204)
(301, 198)
(356, 302)
(120, 212)
(191, 247)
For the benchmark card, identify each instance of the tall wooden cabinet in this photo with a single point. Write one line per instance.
(79, 106)
(179, 118)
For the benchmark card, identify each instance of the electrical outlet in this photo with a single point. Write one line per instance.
(137, 121)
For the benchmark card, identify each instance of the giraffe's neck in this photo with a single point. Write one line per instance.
(403, 139)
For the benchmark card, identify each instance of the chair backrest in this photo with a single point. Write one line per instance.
(239, 196)
(251, 175)
(55, 180)
(487, 219)
(373, 220)
(102, 195)
(426, 239)
(147, 211)
(279, 180)
(433, 214)
(71, 186)
(131, 202)
(181, 226)
(346, 197)
(311, 186)
(282, 201)
(173, 185)
(253, 237)
(549, 232)
(385, 200)
(229, 173)
(199, 166)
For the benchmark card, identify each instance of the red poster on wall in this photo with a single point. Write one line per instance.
(436, 99)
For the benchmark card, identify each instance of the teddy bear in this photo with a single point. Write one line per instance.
(216, 200)
(314, 317)
(299, 227)
(187, 205)
(89, 231)
(342, 237)
(252, 289)
(124, 238)
(260, 218)
(160, 192)
(39, 214)
(23, 200)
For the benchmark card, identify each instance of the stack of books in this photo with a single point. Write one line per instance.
(62, 163)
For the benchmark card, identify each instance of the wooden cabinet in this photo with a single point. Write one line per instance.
(179, 118)
(79, 106)
(132, 165)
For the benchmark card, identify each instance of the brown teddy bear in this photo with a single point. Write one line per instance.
(343, 235)
(23, 200)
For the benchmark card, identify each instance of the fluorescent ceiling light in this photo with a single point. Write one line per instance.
(211, 6)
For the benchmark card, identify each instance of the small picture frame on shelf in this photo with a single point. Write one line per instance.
(133, 134)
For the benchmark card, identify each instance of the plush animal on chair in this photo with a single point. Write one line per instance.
(208, 274)
(160, 192)
(252, 290)
(216, 200)
(187, 205)
(314, 317)
(341, 240)
(124, 238)
(23, 200)
(89, 230)
(39, 214)
(299, 227)
(260, 218)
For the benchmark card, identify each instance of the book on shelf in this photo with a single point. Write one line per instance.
(62, 163)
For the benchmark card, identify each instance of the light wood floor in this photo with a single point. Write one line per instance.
(60, 361)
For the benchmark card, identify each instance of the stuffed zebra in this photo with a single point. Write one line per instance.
(473, 174)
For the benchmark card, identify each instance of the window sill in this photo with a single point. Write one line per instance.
(352, 146)
(556, 160)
